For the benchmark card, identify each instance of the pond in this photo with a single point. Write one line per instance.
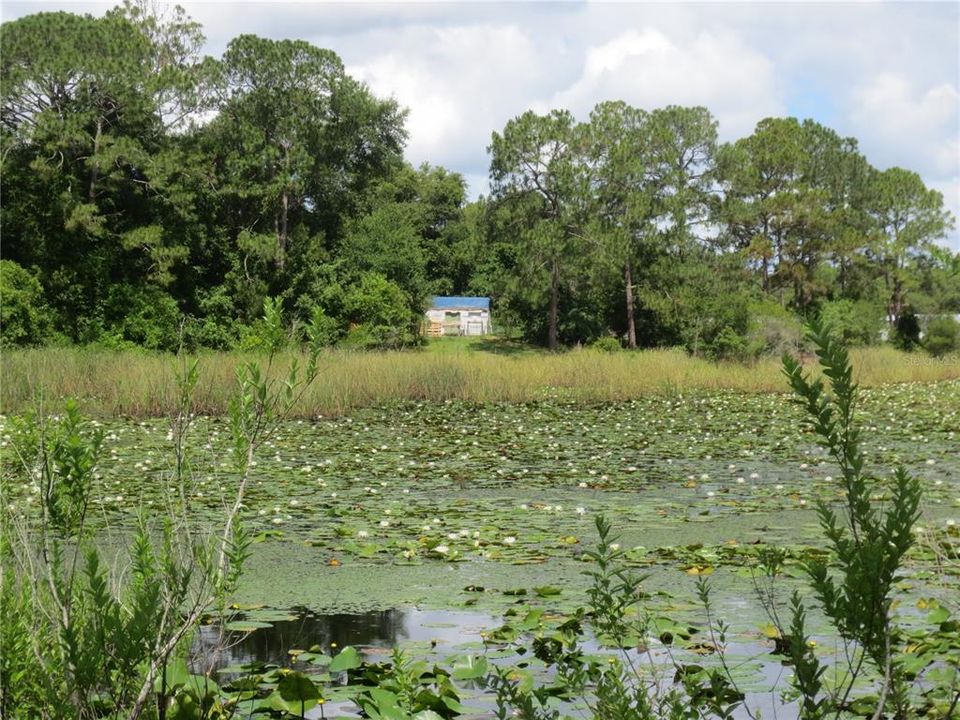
(424, 524)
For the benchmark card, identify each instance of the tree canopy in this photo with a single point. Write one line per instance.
(154, 196)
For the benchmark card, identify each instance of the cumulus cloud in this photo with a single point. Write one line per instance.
(459, 83)
(905, 121)
(646, 68)
(883, 72)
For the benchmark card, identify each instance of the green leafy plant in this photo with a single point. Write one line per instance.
(617, 685)
(867, 543)
(942, 336)
(98, 639)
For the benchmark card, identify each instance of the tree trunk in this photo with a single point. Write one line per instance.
(282, 229)
(95, 163)
(631, 322)
(284, 210)
(554, 303)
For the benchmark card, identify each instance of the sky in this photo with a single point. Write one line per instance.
(887, 73)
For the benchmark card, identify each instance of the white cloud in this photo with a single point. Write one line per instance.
(908, 123)
(459, 83)
(648, 69)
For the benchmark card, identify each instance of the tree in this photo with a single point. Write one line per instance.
(83, 129)
(906, 218)
(296, 136)
(534, 167)
(626, 189)
(683, 145)
(773, 208)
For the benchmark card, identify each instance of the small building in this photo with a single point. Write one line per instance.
(458, 316)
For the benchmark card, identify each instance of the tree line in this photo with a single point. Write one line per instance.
(155, 197)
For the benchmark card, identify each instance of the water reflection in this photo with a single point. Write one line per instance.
(371, 630)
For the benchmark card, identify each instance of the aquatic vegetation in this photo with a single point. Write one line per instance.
(490, 506)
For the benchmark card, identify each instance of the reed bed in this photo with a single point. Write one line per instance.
(141, 384)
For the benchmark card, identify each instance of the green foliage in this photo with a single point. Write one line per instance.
(854, 322)
(102, 642)
(130, 206)
(607, 344)
(906, 331)
(772, 330)
(143, 316)
(24, 317)
(868, 544)
(942, 336)
(379, 313)
(613, 685)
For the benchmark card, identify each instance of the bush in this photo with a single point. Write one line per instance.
(379, 312)
(772, 330)
(855, 323)
(906, 331)
(24, 316)
(607, 344)
(728, 345)
(140, 316)
(322, 330)
(942, 336)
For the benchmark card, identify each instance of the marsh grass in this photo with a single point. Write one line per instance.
(111, 383)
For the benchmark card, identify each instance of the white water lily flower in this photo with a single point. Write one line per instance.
(583, 484)
(362, 534)
(509, 540)
(754, 476)
(581, 510)
(384, 523)
(614, 546)
(294, 502)
(442, 549)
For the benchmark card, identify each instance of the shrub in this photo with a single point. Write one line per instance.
(942, 336)
(322, 330)
(906, 331)
(607, 344)
(772, 330)
(143, 316)
(24, 316)
(855, 323)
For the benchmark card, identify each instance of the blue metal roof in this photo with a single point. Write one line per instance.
(460, 303)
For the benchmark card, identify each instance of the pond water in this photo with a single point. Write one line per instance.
(374, 633)
(421, 525)
(439, 635)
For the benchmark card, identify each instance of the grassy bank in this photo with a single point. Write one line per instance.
(139, 384)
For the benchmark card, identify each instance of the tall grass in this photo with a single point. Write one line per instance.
(140, 384)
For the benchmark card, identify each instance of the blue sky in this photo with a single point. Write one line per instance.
(885, 73)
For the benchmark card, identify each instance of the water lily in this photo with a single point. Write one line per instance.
(362, 534)
(581, 510)
(442, 549)
(509, 540)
